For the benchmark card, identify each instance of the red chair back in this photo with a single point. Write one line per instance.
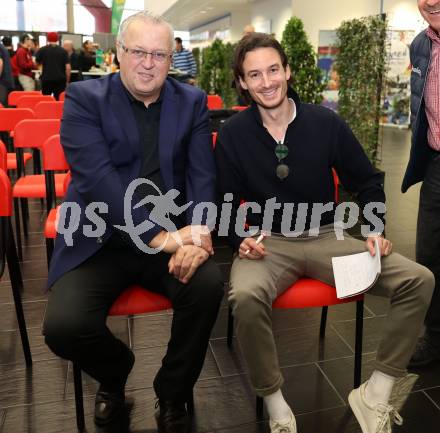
(49, 110)
(3, 156)
(53, 154)
(215, 102)
(214, 139)
(62, 96)
(15, 95)
(34, 132)
(239, 107)
(30, 101)
(5, 195)
(9, 117)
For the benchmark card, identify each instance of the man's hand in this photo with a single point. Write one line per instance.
(188, 235)
(185, 261)
(256, 251)
(385, 246)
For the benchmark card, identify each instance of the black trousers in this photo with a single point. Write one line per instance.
(75, 322)
(428, 239)
(55, 87)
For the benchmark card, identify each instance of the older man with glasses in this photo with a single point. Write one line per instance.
(278, 157)
(136, 124)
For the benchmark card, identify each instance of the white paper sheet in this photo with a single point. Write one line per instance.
(356, 273)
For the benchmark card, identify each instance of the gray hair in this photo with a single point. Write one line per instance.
(148, 18)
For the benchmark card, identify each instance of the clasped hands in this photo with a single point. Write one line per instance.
(189, 247)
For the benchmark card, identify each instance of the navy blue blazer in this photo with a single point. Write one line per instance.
(101, 142)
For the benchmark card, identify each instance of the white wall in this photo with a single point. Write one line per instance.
(328, 14)
(239, 20)
(277, 11)
(158, 7)
(404, 15)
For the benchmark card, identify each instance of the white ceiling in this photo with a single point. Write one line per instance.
(188, 14)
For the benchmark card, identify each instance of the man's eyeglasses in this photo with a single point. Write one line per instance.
(281, 152)
(157, 55)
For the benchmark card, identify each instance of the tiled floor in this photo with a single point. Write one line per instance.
(318, 373)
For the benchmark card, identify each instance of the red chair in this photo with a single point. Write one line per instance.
(9, 117)
(62, 96)
(215, 102)
(16, 94)
(53, 160)
(3, 156)
(49, 110)
(10, 159)
(32, 133)
(240, 107)
(8, 254)
(30, 101)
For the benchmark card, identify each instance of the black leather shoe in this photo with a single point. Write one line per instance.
(110, 402)
(172, 417)
(108, 406)
(426, 352)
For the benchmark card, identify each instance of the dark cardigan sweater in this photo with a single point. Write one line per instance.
(318, 140)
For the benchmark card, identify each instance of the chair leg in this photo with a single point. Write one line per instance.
(49, 250)
(260, 407)
(190, 404)
(18, 229)
(24, 215)
(79, 404)
(230, 330)
(358, 343)
(36, 161)
(17, 286)
(324, 312)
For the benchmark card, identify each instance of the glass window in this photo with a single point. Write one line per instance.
(138, 5)
(84, 21)
(37, 17)
(8, 15)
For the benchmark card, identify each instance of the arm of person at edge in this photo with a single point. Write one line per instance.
(95, 175)
(358, 175)
(200, 185)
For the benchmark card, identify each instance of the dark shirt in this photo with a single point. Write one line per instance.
(148, 123)
(6, 78)
(85, 61)
(318, 140)
(54, 59)
(73, 60)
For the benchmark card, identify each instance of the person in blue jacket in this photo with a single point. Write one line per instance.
(130, 126)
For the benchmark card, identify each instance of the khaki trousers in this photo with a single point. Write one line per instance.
(256, 283)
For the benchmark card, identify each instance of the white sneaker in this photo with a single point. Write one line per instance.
(376, 419)
(285, 427)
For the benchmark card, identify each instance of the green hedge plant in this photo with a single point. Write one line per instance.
(306, 76)
(216, 74)
(361, 67)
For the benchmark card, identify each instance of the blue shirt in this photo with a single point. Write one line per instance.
(184, 61)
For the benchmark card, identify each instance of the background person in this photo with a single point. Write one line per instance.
(56, 66)
(6, 78)
(25, 63)
(184, 61)
(424, 165)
